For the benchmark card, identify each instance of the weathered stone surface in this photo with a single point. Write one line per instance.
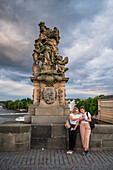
(57, 143)
(39, 143)
(96, 137)
(22, 146)
(48, 120)
(41, 131)
(49, 111)
(50, 136)
(15, 137)
(27, 119)
(95, 144)
(31, 110)
(14, 128)
(107, 136)
(105, 129)
(22, 137)
(58, 131)
(1, 138)
(106, 143)
(53, 143)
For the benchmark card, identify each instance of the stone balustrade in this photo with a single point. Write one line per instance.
(15, 137)
(18, 137)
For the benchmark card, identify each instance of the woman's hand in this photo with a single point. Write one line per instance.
(74, 128)
(88, 120)
(82, 118)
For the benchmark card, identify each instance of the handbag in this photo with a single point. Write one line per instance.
(67, 124)
(92, 125)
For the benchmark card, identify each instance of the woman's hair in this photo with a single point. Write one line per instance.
(75, 108)
(82, 107)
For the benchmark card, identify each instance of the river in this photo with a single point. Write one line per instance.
(9, 116)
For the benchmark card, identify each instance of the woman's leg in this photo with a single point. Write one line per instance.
(74, 137)
(82, 133)
(70, 139)
(87, 136)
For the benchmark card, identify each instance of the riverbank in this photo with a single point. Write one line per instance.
(10, 117)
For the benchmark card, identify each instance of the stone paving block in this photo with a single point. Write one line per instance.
(56, 159)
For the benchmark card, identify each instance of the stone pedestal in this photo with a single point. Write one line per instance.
(48, 101)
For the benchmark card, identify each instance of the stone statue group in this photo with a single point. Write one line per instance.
(46, 51)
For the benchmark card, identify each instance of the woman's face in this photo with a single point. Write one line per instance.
(82, 111)
(75, 111)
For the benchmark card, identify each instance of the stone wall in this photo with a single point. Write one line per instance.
(55, 136)
(15, 137)
(102, 138)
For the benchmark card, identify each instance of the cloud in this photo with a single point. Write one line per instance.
(91, 55)
(12, 89)
(86, 38)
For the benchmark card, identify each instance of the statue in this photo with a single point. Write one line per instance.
(46, 51)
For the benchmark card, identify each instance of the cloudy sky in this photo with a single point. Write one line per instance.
(86, 30)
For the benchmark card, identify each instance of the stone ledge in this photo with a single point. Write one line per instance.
(14, 128)
(103, 129)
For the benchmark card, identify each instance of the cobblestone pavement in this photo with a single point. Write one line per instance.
(55, 159)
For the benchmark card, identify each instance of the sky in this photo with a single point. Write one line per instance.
(86, 31)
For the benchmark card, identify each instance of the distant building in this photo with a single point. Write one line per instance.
(70, 104)
(105, 108)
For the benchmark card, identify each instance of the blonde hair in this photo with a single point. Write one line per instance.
(75, 108)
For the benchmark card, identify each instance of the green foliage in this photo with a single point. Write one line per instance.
(18, 104)
(91, 104)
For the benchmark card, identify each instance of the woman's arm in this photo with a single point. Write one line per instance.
(71, 117)
(76, 125)
(88, 120)
(82, 117)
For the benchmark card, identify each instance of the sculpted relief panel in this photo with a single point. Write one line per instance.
(49, 95)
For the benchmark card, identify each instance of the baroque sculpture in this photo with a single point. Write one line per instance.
(48, 74)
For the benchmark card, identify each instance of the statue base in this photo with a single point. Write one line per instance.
(47, 115)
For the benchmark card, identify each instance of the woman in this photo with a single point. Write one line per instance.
(85, 129)
(74, 120)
